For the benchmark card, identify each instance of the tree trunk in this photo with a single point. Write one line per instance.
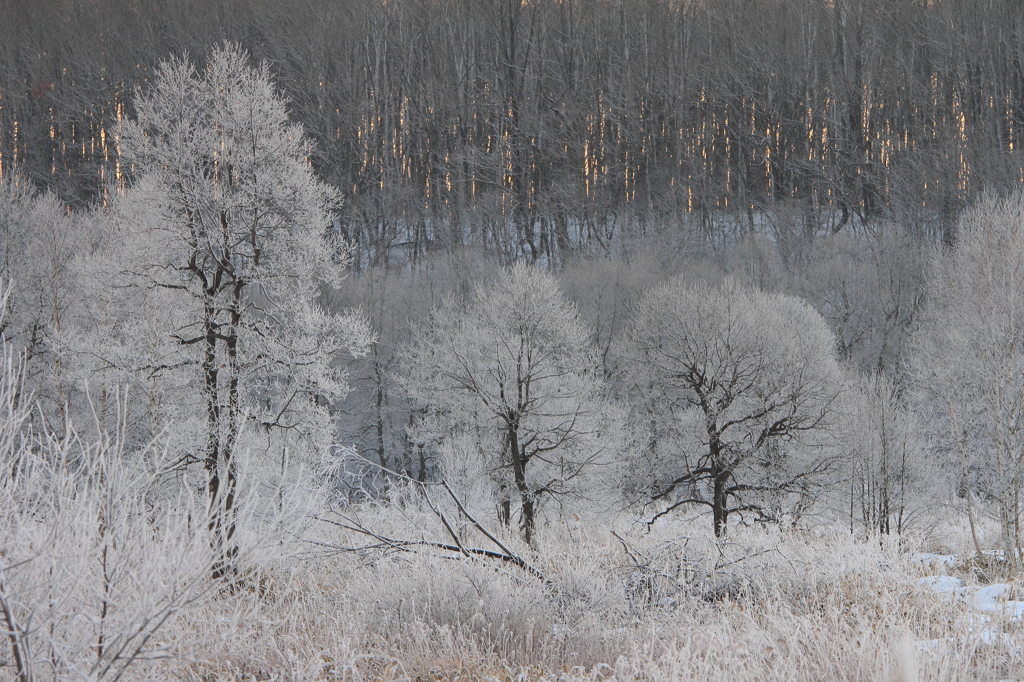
(379, 404)
(421, 475)
(519, 476)
(720, 501)
(504, 509)
(212, 461)
(719, 477)
(562, 235)
(219, 462)
(1006, 513)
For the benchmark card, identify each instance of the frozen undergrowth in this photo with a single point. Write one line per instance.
(370, 593)
(674, 604)
(588, 601)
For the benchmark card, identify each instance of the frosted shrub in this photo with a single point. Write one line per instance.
(91, 567)
(104, 549)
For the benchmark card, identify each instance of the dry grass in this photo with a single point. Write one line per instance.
(815, 606)
(616, 602)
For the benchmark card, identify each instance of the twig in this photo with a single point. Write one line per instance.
(17, 635)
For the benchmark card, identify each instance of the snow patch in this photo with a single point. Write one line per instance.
(935, 559)
(952, 588)
(988, 603)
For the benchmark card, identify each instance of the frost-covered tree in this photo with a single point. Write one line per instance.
(223, 241)
(968, 358)
(514, 371)
(38, 244)
(887, 476)
(736, 386)
(869, 288)
(376, 415)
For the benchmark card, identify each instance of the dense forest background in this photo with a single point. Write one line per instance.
(534, 129)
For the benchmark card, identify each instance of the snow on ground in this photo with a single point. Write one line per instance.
(994, 598)
(987, 602)
(950, 587)
(937, 560)
(989, 599)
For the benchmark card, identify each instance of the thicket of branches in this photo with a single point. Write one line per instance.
(530, 128)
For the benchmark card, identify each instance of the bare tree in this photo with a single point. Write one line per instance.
(532, 128)
(869, 288)
(740, 387)
(887, 473)
(515, 369)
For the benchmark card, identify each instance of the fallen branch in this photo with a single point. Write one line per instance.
(385, 542)
(505, 554)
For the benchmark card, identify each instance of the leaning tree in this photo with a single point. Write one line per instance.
(736, 385)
